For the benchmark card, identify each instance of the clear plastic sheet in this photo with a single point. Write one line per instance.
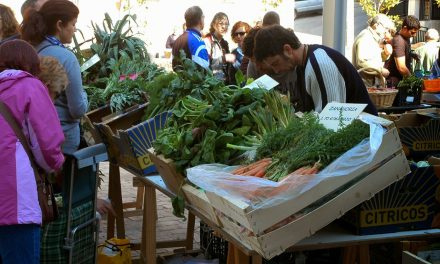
(263, 193)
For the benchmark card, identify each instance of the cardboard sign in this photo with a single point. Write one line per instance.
(263, 82)
(336, 115)
(89, 63)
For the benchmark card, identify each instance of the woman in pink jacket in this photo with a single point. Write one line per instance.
(32, 108)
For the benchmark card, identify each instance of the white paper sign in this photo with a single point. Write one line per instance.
(90, 62)
(263, 82)
(336, 114)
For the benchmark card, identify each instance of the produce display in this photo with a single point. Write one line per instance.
(124, 68)
(125, 86)
(262, 167)
(211, 122)
(307, 145)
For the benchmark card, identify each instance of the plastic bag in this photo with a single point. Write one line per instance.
(115, 251)
(262, 193)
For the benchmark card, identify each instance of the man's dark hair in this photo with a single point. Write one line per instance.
(248, 42)
(271, 18)
(270, 41)
(27, 4)
(411, 22)
(193, 15)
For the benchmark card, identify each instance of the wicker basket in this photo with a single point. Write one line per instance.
(382, 97)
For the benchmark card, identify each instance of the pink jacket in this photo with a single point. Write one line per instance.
(30, 104)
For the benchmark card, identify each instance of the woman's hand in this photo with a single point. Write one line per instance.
(230, 58)
(104, 206)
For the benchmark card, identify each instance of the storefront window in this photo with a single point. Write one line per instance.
(429, 10)
(400, 10)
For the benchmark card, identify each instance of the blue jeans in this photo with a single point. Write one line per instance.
(20, 244)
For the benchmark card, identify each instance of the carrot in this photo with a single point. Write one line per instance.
(261, 167)
(309, 170)
(239, 170)
(251, 166)
(260, 174)
(300, 170)
(259, 162)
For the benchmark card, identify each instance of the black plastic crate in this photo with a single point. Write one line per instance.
(213, 246)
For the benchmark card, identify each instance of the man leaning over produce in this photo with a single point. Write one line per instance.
(191, 41)
(323, 74)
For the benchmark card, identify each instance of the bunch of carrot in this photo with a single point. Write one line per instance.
(257, 169)
(308, 170)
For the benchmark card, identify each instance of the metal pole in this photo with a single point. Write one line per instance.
(338, 26)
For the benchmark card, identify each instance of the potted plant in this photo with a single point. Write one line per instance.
(410, 91)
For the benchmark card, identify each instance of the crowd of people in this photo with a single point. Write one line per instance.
(41, 83)
(312, 75)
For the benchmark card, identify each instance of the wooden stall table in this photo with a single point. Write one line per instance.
(148, 243)
(107, 129)
(332, 236)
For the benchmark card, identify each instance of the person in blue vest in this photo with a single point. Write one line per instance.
(191, 41)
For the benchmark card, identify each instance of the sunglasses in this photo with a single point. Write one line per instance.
(239, 33)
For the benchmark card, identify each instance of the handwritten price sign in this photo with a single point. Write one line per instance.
(337, 115)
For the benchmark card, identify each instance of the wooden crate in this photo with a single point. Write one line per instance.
(95, 116)
(176, 183)
(173, 179)
(198, 199)
(388, 165)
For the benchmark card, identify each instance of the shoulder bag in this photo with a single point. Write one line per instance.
(46, 198)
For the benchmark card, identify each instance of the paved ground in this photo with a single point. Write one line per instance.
(169, 227)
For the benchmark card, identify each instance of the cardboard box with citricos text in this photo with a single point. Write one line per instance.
(419, 132)
(412, 203)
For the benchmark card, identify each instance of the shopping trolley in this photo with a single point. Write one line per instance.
(73, 237)
(80, 187)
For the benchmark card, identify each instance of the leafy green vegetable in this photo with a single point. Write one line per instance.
(207, 115)
(304, 142)
(178, 204)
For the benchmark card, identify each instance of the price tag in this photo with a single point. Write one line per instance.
(90, 62)
(337, 115)
(263, 82)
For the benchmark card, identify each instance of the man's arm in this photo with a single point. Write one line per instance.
(399, 55)
(401, 66)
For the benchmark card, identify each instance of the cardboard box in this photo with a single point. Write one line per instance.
(108, 131)
(419, 132)
(135, 141)
(255, 227)
(412, 203)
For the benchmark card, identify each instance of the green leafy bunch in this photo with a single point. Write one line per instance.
(304, 142)
(204, 122)
(110, 41)
(168, 88)
(412, 85)
(126, 84)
